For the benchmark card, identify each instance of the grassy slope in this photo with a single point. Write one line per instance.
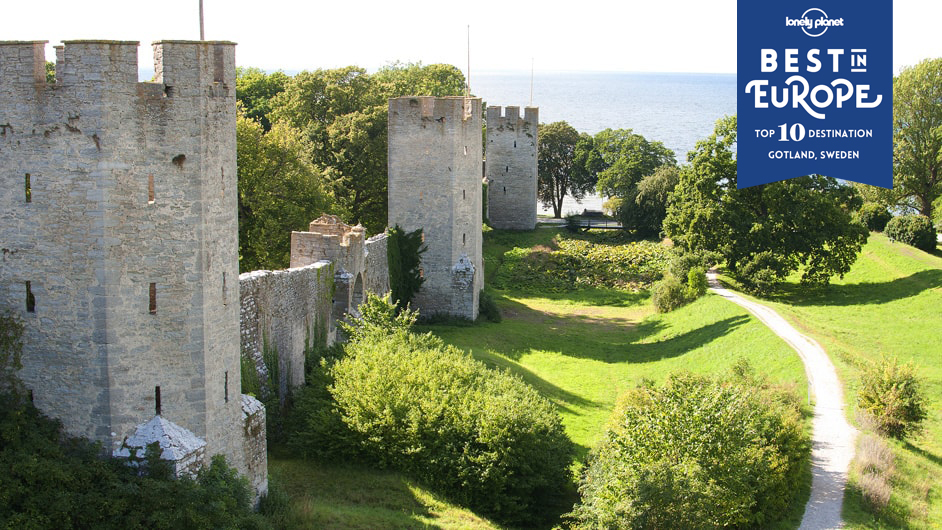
(889, 304)
(349, 497)
(583, 349)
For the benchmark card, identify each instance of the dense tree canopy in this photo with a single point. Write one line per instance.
(280, 190)
(566, 163)
(917, 134)
(764, 232)
(255, 90)
(627, 157)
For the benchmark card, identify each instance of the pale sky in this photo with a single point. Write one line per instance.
(586, 35)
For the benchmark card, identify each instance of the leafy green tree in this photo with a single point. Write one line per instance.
(917, 135)
(627, 158)
(644, 207)
(279, 191)
(566, 165)
(415, 79)
(255, 90)
(763, 232)
(404, 258)
(50, 72)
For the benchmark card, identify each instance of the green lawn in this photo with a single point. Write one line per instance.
(889, 304)
(345, 496)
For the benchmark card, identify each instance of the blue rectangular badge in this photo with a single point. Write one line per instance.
(815, 85)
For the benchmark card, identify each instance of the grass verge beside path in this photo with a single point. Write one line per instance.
(889, 304)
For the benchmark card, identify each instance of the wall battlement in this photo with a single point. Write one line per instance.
(511, 168)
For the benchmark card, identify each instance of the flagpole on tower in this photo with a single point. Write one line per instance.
(202, 35)
(467, 91)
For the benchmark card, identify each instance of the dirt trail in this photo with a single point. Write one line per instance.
(832, 437)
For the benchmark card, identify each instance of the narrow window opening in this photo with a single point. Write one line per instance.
(506, 169)
(29, 189)
(157, 407)
(30, 299)
(222, 182)
(31, 396)
(226, 387)
(463, 238)
(466, 150)
(464, 194)
(515, 144)
(150, 189)
(505, 190)
(153, 299)
(224, 301)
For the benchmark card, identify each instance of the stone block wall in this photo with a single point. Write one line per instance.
(376, 274)
(255, 445)
(435, 155)
(511, 168)
(284, 312)
(118, 228)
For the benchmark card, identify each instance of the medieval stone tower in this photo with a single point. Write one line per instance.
(512, 168)
(435, 184)
(119, 239)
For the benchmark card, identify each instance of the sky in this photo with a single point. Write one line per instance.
(588, 35)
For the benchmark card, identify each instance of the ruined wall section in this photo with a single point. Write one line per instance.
(282, 313)
(435, 154)
(512, 167)
(127, 235)
(376, 275)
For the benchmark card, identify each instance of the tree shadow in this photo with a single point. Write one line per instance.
(860, 293)
(609, 339)
(561, 397)
(932, 457)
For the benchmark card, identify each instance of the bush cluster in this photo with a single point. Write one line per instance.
(577, 263)
(407, 401)
(53, 481)
(915, 230)
(487, 307)
(696, 453)
(874, 216)
(891, 394)
(671, 293)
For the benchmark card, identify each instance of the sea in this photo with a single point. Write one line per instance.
(675, 109)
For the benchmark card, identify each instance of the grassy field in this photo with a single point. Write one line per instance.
(345, 497)
(889, 304)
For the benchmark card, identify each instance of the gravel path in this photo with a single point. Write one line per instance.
(832, 437)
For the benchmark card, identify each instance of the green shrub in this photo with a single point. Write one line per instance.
(762, 273)
(668, 294)
(577, 264)
(891, 394)
(487, 307)
(696, 283)
(937, 213)
(404, 258)
(483, 438)
(51, 480)
(696, 453)
(915, 230)
(874, 216)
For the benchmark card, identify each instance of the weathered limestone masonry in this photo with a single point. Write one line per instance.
(512, 168)
(283, 313)
(118, 231)
(435, 155)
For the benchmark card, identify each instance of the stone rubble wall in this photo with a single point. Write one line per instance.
(376, 274)
(284, 312)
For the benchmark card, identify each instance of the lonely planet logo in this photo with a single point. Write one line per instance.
(814, 22)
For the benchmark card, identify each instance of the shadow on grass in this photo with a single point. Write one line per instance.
(932, 457)
(860, 293)
(606, 339)
(558, 395)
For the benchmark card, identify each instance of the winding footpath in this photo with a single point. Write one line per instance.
(832, 437)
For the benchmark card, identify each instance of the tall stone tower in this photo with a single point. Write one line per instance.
(435, 184)
(119, 233)
(512, 167)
